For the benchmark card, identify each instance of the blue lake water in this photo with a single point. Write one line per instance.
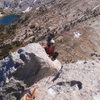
(7, 20)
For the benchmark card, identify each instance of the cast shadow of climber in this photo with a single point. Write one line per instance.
(71, 83)
(32, 70)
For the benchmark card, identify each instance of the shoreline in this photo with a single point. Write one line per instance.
(1, 15)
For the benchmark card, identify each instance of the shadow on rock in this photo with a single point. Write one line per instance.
(33, 70)
(78, 83)
(71, 83)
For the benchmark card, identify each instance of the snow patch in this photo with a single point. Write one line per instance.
(35, 1)
(96, 23)
(80, 62)
(6, 8)
(20, 1)
(7, 80)
(96, 7)
(97, 96)
(77, 34)
(27, 10)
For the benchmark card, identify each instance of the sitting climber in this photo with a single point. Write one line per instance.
(50, 48)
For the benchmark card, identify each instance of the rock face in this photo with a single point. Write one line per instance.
(76, 81)
(37, 64)
(26, 64)
(12, 90)
(29, 64)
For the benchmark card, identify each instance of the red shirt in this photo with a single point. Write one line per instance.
(50, 50)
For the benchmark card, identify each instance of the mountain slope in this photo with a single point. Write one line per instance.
(66, 19)
(20, 6)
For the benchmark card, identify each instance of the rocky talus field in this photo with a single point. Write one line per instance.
(28, 73)
(76, 25)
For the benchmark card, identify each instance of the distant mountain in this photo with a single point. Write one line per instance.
(20, 5)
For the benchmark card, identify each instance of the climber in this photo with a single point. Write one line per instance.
(50, 48)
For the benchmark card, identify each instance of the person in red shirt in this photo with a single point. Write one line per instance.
(50, 48)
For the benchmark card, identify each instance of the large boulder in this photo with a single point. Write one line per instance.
(28, 64)
(36, 64)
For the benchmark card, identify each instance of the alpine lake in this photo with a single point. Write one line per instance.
(9, 19)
